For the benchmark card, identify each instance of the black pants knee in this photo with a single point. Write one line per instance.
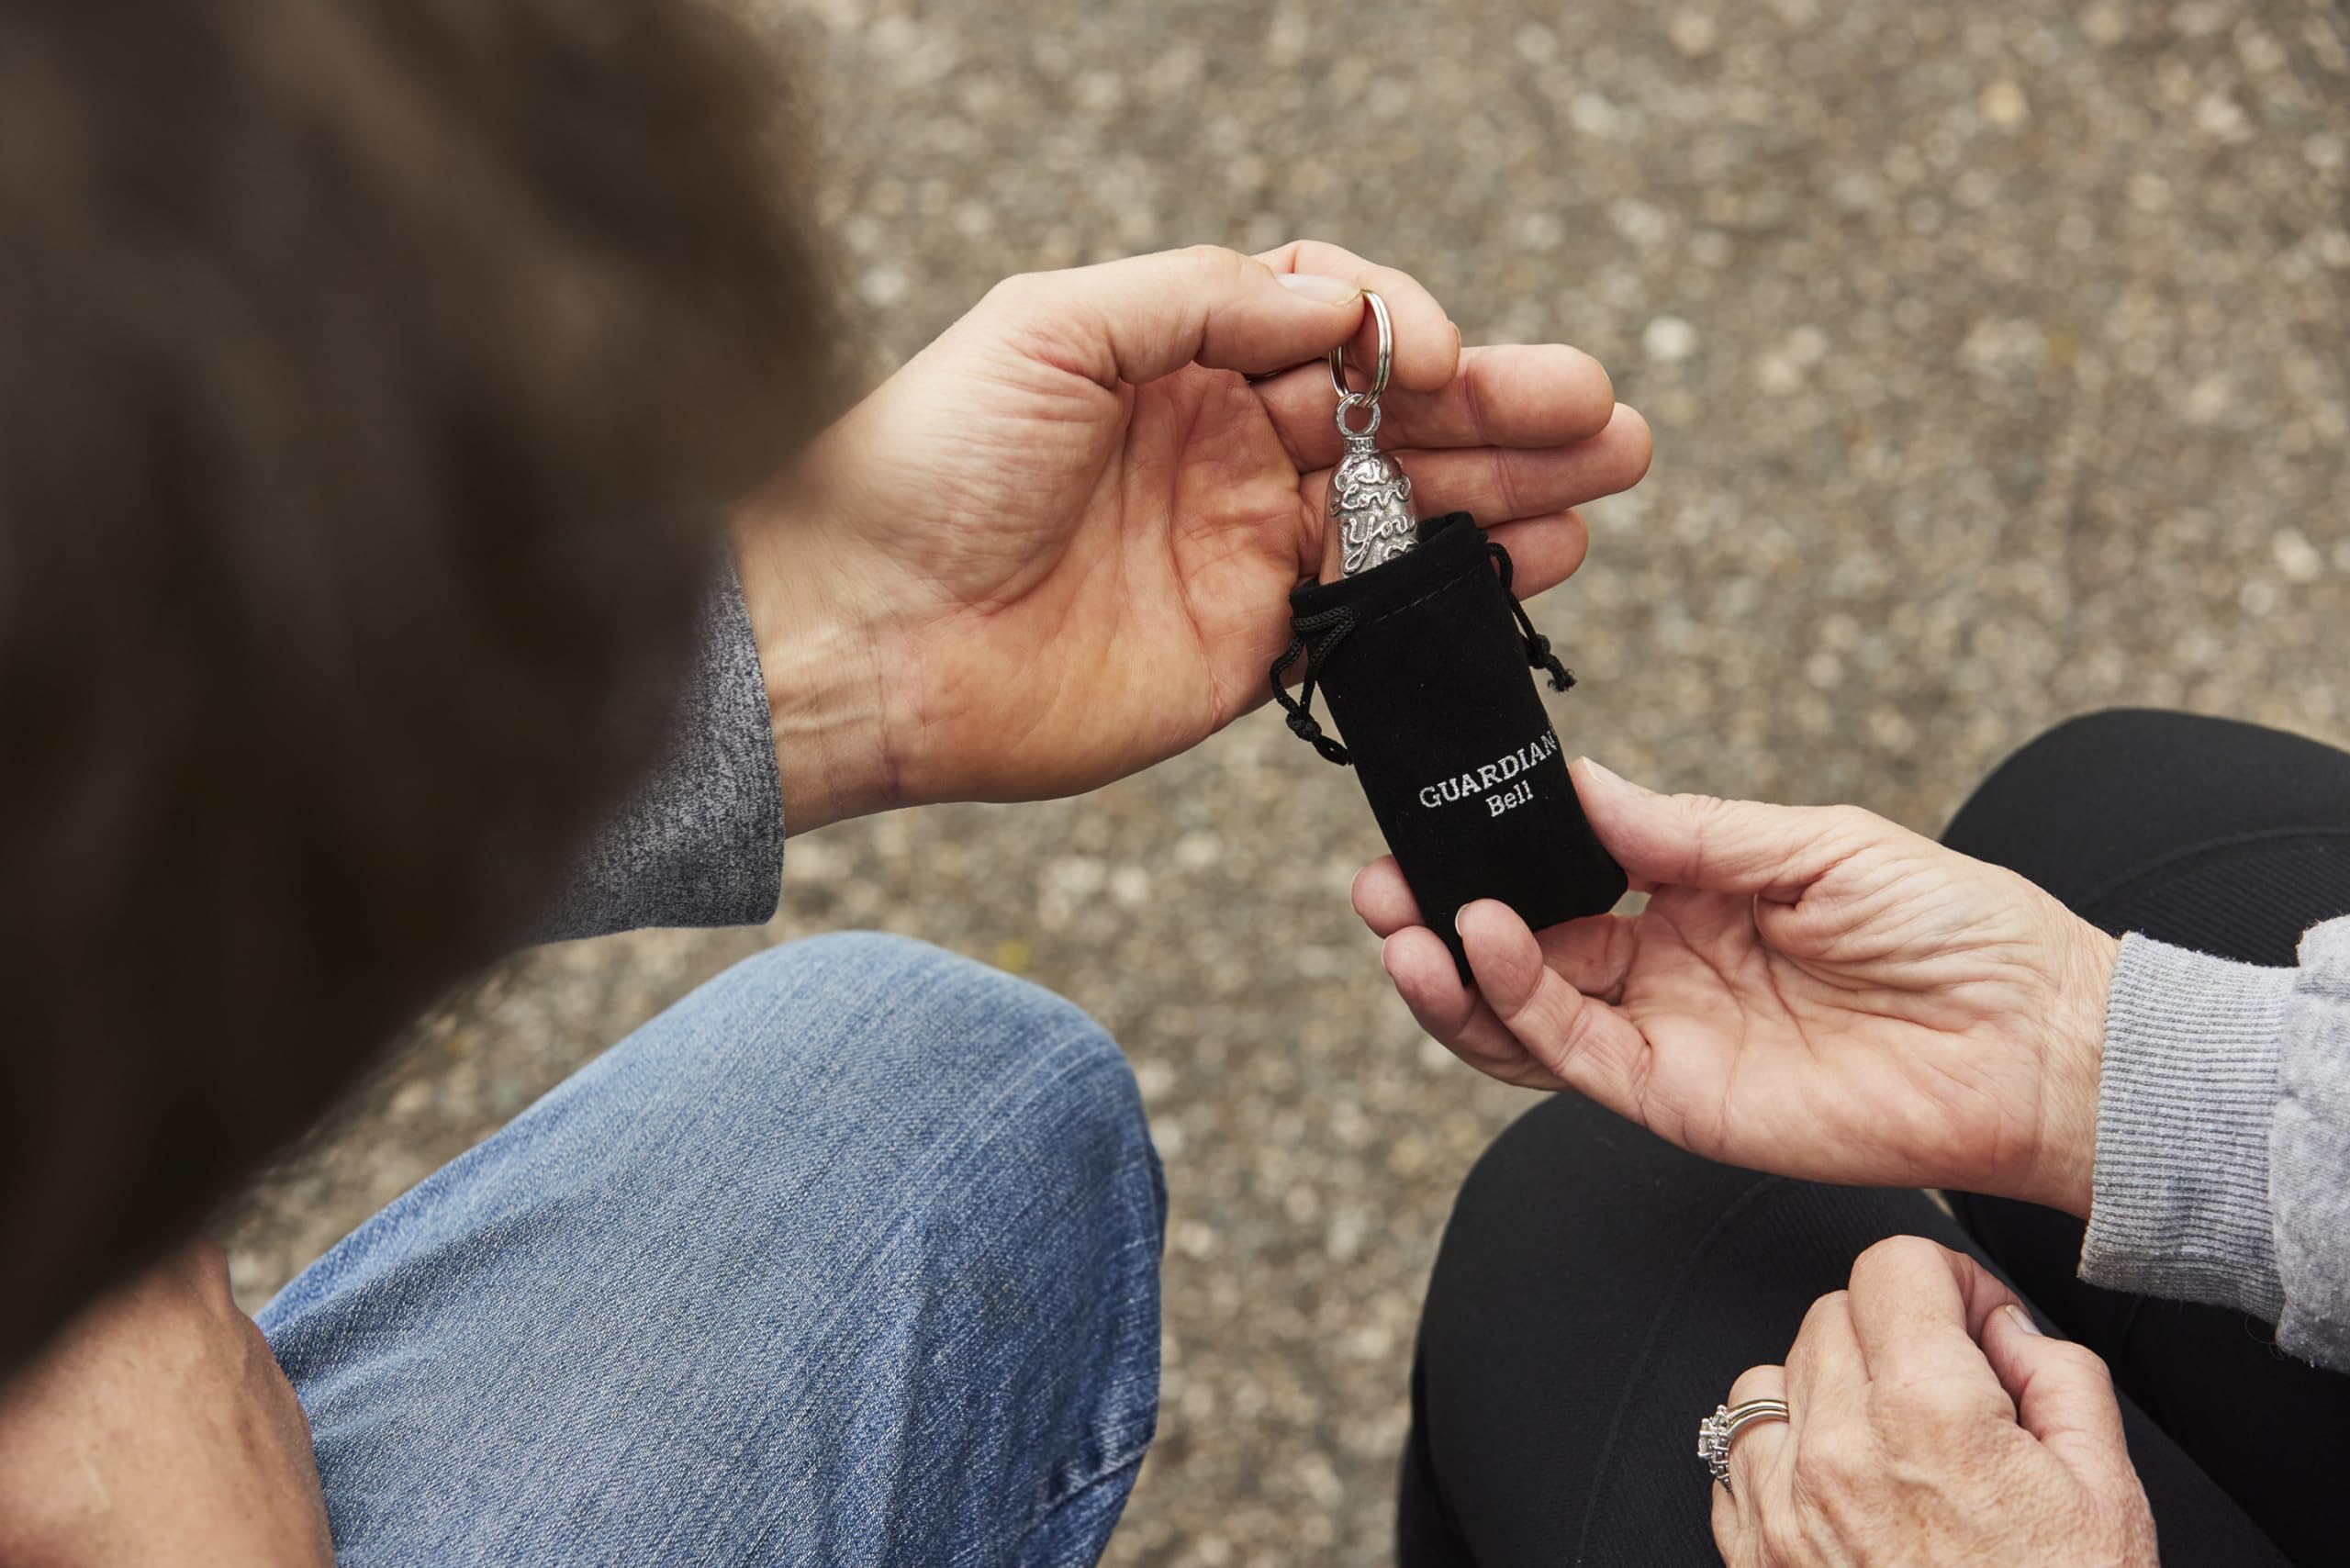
(1597, 1290)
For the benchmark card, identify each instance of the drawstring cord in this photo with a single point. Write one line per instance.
(1301, 723)
(1318, 647)
(1537, 647)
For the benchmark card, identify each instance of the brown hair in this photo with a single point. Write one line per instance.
(371, 375)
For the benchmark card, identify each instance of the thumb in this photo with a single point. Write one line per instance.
(2063, 1394)
(1723, 846)
(1146, 317)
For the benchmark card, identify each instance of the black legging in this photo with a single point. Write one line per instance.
(1597, 1290)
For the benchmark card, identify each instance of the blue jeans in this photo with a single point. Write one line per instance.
(851, 1257)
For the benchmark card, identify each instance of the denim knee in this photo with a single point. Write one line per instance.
(924, 1046)
(882, 1008)
(1015, 1203)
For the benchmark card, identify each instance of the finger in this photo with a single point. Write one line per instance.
(1594, 955)
(1496, 484)
(1585, 1042)
(1543, 551)
(1734, 1537)
(1384, 899)
(1915, 1308)
(1427, 345)
(1825, 1371)
(1758, 1454)
(1730, 846)
(1511, 395)
(1454, 1016)
(1146, 317)
(2062, 1393)
(1828, 1398)
(1985, 1292)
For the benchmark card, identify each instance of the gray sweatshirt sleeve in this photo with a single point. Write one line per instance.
(699, 842)
(2223, 1137)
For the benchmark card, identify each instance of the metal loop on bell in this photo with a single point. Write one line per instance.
(1386, 355)
(1347, 405)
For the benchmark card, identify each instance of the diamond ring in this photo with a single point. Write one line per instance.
(1716, 1431)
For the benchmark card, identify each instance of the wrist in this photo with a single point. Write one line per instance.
(819, 659)
(2072, 1069)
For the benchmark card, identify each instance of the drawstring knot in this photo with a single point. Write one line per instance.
(1305, 728)
(1302, 723)
(1537, 647)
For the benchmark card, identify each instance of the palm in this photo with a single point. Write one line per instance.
(1895, 1049)
(1150, 535)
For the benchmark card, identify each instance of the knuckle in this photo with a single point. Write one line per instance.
(1824, 1311)
(1218, 260)
(1890, 1258)
(1505, 483)
(1558, 1035)
(1701, 808)
(1709, 821)
(1852, 822)
(1013, 294)
(1908, 1410)
(1935, 1416)
(1757, 1382)
(1828, 1465)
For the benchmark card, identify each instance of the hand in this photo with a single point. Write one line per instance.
(1811, 991)
(158, 1428)
(1056, 546)
(1932, 1423)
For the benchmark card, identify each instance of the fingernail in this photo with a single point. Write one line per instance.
(2023, 1319)
(1315, 285)
(1607, 777)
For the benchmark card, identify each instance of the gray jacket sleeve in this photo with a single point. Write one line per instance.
(699, 842)
(2223, 1137)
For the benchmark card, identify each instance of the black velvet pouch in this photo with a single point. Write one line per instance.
(1425, 660)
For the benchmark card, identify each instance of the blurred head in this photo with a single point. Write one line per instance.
(372, 374)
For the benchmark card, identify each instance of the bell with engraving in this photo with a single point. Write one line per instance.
(1370, 498)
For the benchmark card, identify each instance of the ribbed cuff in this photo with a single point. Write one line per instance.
(2186, 1098)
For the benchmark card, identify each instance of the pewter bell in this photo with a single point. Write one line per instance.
(1370, 498)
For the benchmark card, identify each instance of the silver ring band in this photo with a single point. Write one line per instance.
(1386, 352)
(1718, 1430)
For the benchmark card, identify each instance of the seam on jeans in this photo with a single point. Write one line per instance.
(1605, 1471)
(1076, 1494)
(2121, 882)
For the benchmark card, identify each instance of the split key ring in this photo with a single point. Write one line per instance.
(1386, 354)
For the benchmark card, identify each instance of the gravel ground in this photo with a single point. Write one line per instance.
(1992, 354)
